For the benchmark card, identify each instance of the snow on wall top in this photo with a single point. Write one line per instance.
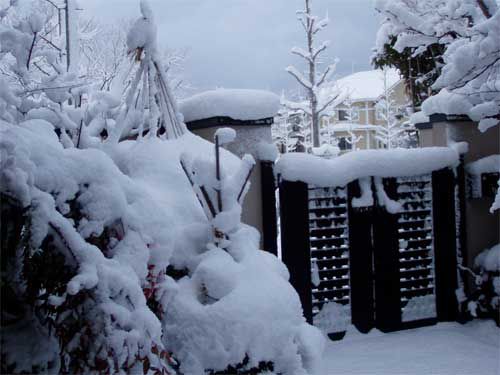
(488, 164)
(237, 104)
(366, 85)
(353, 165)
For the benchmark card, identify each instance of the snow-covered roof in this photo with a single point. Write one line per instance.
(366, 85)
(237, 104)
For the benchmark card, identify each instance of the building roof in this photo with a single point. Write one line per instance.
(366, 85)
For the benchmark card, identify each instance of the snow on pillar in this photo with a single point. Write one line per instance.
(250, 113)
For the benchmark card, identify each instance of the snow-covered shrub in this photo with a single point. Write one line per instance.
(108, 262)
(232, 308)
(78, 258)
(484, 301)
(87, 278)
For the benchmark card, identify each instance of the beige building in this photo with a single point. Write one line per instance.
(358, 118)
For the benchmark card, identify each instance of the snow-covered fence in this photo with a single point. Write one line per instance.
(370, 238)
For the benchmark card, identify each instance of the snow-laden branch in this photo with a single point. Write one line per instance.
(297, 106)
(317, 51)
(299, 77)
(302, 53)
(327, 74)
(321, 24)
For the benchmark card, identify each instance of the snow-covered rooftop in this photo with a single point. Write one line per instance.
(366, 85)
(237, 104)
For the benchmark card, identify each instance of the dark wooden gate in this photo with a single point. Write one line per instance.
(386, 270)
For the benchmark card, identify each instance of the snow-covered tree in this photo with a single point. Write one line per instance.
(353, 139)
(466, 75)
(104, 57)
(174, 61)
(465, 69)
(389, 134)
(314, 79)
(103, 51)
(292, 129)
(35, 65)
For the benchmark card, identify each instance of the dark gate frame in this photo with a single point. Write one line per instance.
(373, 253)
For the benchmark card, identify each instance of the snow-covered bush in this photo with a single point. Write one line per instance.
(108, 261)
(96, 238)
(484, 301)
(78, 256)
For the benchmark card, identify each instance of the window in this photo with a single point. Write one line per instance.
(354, 114)
(343, 115)
(379, 114)
(344, 143)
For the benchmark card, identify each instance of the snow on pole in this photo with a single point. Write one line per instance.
(217, 173)
(72, 44)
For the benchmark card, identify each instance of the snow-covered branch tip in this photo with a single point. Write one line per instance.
(220, 197)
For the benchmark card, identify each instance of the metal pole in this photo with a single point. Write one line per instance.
(68, 58)
(217, 173)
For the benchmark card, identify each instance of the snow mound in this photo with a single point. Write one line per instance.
(353, 165)
(489, 259)
(237, 104)
(326, 150)
(267, 151)
(143, 32)
(447, 103)
(418, 118)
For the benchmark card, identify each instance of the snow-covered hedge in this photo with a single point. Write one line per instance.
(484, 301)
(92, 313)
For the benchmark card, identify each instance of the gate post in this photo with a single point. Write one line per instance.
(386, 262)
(269, 219)
(295, 247)
(445, 243)
(360, 261)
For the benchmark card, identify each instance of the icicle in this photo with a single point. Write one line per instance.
(315, 273)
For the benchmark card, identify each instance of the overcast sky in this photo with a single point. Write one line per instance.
(246, 43)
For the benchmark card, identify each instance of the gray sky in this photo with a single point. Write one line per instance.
(246, 43)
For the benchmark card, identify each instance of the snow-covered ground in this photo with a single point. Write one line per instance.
(447, 348)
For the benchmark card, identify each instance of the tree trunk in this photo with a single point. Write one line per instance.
(315, 121)
(312, 79)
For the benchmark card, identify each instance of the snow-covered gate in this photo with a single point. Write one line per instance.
(369, 266)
